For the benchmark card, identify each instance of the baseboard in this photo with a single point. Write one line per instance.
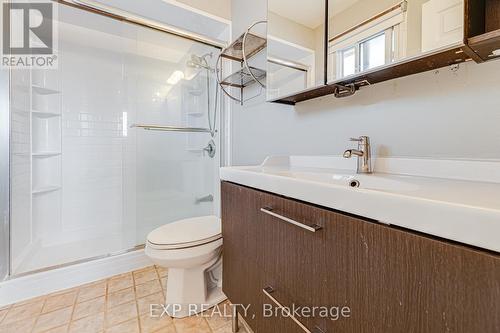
(37, 284)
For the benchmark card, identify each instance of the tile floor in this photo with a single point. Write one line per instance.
(118, 304)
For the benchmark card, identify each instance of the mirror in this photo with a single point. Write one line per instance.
(295, 46)
(366, 35)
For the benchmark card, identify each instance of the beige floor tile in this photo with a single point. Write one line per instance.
(164, 283)
(147, 288)
(59, 301)
(31, 301)
(53, 319)
(145, 275)
(131, 326)
(23, 312)
(20, 326)
(152, 324)
(87, 308)
(92, 290)
(90, 324)
(120, 282)
(191, 324)
(229, 329)
(121, 297)
(120, 314)
(2, 314)
(218, 316)
(5, 307)
(168, 329)
(60, 329)
(144, 303)
(162, 271)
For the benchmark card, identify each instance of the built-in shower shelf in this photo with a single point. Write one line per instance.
(44, 91)
(195, 92)
(45, 189)
(46, 154)
(45, 114)
(195, 114)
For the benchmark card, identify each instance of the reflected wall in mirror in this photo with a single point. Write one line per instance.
(364, 35)
(295, 46)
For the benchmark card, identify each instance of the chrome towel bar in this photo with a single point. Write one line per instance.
(170, 128)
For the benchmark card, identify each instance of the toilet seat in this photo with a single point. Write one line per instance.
(186, 233)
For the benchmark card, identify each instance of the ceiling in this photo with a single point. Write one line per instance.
(308, 13)
(337, 6)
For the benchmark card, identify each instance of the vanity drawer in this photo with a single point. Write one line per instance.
(293, 254)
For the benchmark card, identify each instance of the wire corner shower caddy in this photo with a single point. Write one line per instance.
(241, 50)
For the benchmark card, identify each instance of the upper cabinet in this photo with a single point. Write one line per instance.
(296, 35)
(482, 28)
(336, 47)
(367, 35)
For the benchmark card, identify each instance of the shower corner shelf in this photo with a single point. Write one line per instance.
(242, 78)
(46, 154)
(45, 189)
(44, 91)
(45, 114)
(254, 44)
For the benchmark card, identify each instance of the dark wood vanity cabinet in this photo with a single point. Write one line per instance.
(391, 280)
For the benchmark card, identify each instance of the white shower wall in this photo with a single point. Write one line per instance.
(98, 185)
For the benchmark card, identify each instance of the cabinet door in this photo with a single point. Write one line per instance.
(398, 281)
(443, 23)
(240, 278)
(293, 249)
(243, 274)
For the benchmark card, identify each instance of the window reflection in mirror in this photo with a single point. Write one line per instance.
(364, 35)
(295, 46)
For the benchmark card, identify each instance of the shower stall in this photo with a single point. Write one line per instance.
(120, 139)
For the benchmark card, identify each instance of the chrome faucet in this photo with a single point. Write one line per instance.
(363, 153)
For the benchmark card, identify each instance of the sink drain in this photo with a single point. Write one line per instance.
(354, 183)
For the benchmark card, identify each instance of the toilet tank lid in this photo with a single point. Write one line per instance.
(191, 230)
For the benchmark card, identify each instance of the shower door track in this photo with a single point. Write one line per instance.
(76, 262)
(125, 16)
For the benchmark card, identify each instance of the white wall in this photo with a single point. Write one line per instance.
(221, 8)
(443, 114)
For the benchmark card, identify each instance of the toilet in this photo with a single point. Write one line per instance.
(191, 250)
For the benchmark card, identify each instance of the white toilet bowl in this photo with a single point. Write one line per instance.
(191, 249)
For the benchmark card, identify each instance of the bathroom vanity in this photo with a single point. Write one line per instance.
(394, 252)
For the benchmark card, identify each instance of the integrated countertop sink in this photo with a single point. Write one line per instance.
(454, 199)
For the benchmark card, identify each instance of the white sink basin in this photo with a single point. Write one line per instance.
(372, 181)
(464, 207)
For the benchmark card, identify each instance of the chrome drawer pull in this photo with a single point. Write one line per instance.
(268, 291)
(311, 228)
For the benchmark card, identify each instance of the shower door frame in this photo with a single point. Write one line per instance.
(4, 174)
(5, 192)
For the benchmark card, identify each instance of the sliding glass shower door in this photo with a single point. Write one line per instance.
(88, 178)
